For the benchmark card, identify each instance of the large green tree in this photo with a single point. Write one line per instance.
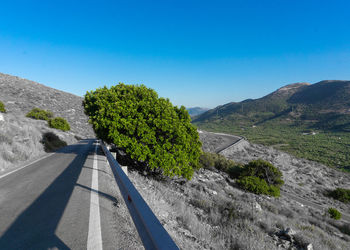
(150, 130)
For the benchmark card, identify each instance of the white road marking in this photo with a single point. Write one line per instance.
(42, 158)
(94, 237)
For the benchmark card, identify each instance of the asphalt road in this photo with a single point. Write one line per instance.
(68, 200)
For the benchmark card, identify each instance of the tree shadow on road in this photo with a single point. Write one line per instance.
(35, 227)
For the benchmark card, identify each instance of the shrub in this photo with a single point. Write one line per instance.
(264, 170)
(212, 160)
(235, 171)
(274, 191)
(258, 186)
(40, 114)
(154, 134)
(207, 160)
(334, 213)
(59, 123)
(2, 107)
(340, 194)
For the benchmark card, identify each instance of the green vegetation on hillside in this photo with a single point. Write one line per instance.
(340, 194)
(328, 147)
(286, 118)
(153, 133)
(259, 176)
(334, 213)
(59, 123)
(40, 114)
(47, 115)
(258, 186)
(2, 107)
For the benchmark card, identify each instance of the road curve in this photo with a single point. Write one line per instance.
(51, 203)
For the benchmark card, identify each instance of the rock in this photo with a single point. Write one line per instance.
(309, 247)
(2, 117)
(285, 244)
(286, 234)
(258, 207)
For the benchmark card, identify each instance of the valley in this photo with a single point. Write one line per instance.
(308, 121)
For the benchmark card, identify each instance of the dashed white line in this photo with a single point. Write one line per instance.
(94, 236)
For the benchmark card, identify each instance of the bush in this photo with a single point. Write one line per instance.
(235, 171)
(40, 114)
(59, 123)
(154, 134)
(264, 170)
(2, 107)
(334, 213)
(340, 194)
(207, 160)
(258, 186)
(211, 160)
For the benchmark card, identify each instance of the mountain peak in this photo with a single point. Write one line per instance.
(293, 86)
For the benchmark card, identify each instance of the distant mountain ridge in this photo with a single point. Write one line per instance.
(310, 121)
(321, 102)
(196, 111)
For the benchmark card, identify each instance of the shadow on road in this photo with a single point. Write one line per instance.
(35, 227)
(104, 195)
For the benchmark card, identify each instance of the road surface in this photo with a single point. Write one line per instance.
(68, 200)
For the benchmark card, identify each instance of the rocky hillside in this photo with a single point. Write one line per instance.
(21, 95)
(212, 212)
(21, 138)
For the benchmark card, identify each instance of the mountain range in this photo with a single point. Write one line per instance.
(323, 105)
(280, 119)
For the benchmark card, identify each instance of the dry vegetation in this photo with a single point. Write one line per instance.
(21, 138)
(210, 212)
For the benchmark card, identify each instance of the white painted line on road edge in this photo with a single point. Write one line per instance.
(42, 158)
(94, 237)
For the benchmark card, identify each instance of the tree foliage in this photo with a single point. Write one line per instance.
(59, 123)
(149, 129)
(40, 114)
(2, 107)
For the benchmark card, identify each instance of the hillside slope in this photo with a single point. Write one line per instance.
(21, 95)
(21, 137)
(287, 116)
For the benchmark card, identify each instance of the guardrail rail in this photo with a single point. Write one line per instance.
(151, 231)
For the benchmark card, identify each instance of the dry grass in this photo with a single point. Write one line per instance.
(20, 140)
(208, 213)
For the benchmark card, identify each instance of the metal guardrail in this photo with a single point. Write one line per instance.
(152, 233)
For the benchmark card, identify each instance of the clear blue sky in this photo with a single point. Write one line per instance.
(196, 53)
